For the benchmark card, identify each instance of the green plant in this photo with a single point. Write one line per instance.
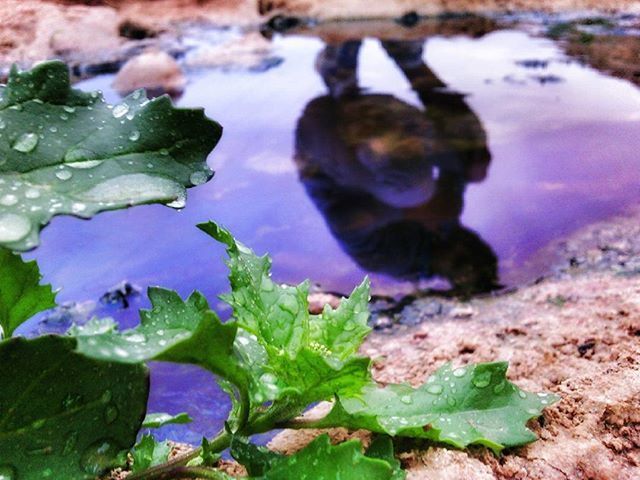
(72, 406)
(275, 360)
(63, 151)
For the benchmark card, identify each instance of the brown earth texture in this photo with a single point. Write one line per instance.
(575, 333)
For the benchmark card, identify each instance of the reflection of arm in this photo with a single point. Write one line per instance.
(338, 67)
(460, 130)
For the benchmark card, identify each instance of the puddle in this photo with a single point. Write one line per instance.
(340, 172)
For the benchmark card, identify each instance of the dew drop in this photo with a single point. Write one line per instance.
(406, 399)
(111, 414)
(85, 165)
(138, 188)
(32, 193)
(3, 125)
(68, 109)
(134, 136)
(13, 227)
(435, 389)
(499, 387)
(198, 178)
(179, 202)
(482, 380)
(64, 174)
(521, 394)
(78, 207)
(459, 372)
(8, 200)
(120, 110)
(135, 338)
(26, 143)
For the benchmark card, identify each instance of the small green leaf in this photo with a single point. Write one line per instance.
(148, 453)
(290, 355)
(63, 415)
(66, 152)
(320, 459)
(157, 420)
(257, 460)
(21, 295)
(460, 407)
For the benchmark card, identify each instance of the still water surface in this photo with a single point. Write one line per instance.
(447, 162)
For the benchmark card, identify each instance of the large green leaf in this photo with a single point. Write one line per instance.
(174, 330)
(21, 295)
(288, 352)
(460, 407)
(62, 415)
(63, 151)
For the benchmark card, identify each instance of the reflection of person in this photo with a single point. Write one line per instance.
(390, 178)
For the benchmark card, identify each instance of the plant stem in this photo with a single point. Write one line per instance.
(180, 472)
(164, 471)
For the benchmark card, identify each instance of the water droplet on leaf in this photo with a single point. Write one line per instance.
(64, 174)
(26, 142)
(8, 200)
(13, 227)
(120, 110)
(435, 389)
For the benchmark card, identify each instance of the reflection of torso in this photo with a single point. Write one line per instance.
(388, 177)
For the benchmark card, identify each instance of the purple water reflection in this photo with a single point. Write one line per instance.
(563, 154)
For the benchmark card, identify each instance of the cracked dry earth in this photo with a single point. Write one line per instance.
(578, 337)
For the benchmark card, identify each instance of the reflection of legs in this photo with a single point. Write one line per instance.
(457, 125)
(338, 66)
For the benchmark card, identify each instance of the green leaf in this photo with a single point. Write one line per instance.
(173, 330)
(320, 459)
(461, 407)
(66, 152)
(148, 453)
(157, 420)
(21, 295)
(62, 415)
(289, 354)
(257, 460)
(382, 448)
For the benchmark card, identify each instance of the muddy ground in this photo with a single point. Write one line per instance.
(575, 332)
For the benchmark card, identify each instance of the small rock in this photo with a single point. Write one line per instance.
(156, 71)
(381, 322)
(464, 311)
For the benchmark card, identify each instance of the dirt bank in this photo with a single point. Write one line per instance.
(350, 9)
(578, 337)
(576, 333)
